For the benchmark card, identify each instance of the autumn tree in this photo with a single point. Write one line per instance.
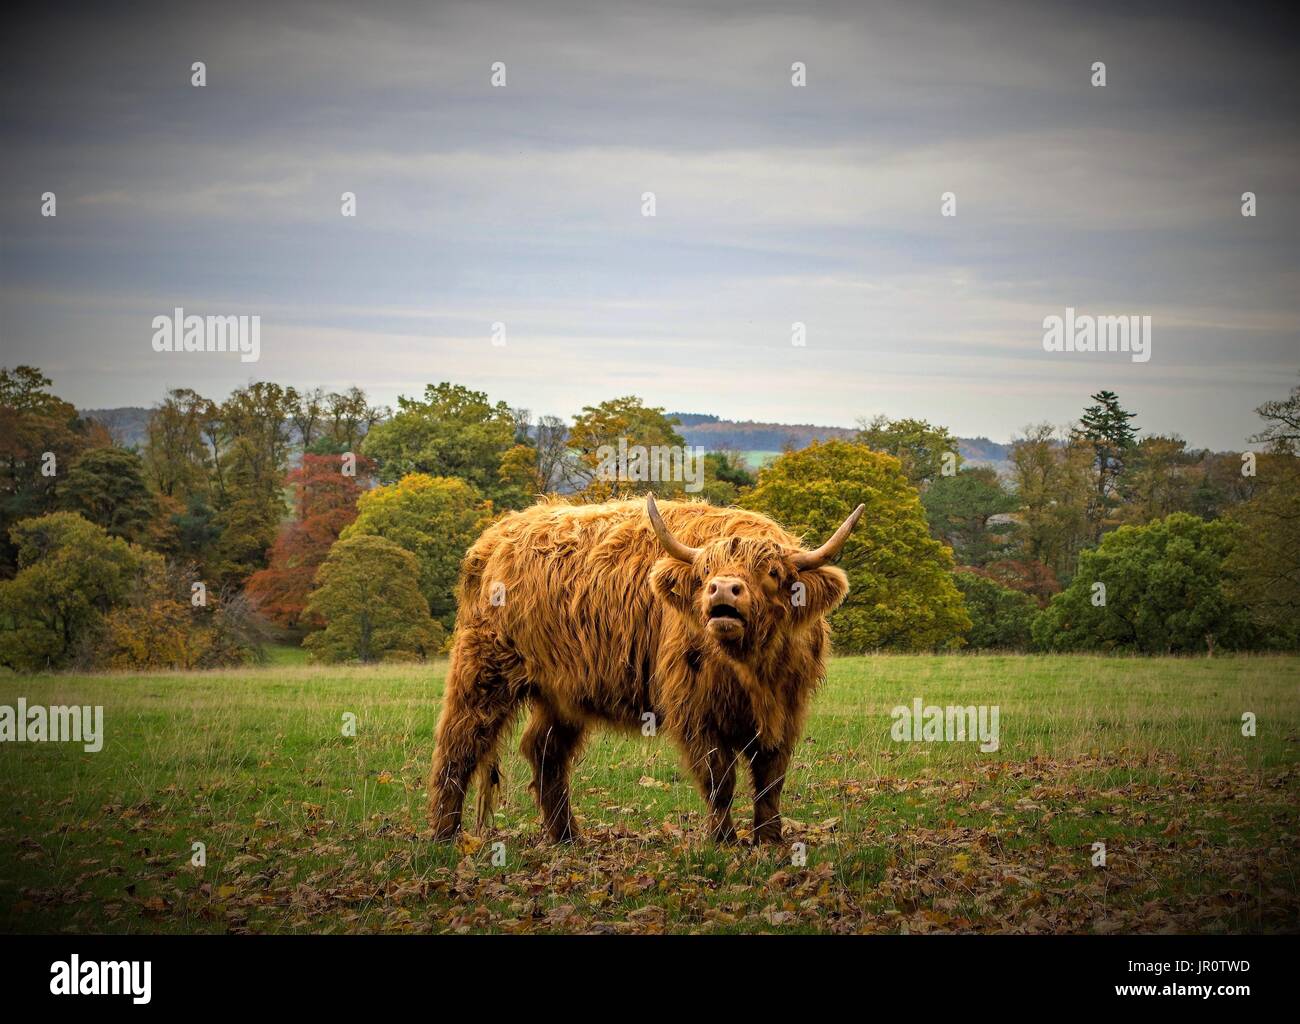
(436, 519)
(902, 594)
(368, 595)
(1161, 477)
(325, 489)
(1052, 479)
(40, 436)
(71, 574)
(595, 438)
(923, 449)
(176, 455)
(1265, 563)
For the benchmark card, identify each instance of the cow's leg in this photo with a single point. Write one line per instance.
(714, 765)
(549, 744)
(477, 704)
(768, 768)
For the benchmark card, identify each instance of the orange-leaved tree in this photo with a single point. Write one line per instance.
(326, 488)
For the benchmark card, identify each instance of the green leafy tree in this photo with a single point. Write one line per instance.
(451, 432)
(1154, 589)
(922, 448)
(726, 478)
(1001, 618)
(368, 595)
(902, 594)
(107, 487)
(959, 509)
(1265, 563)
(71, 574)
(436, 519)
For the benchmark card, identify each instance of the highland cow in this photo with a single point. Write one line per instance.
(711, 620)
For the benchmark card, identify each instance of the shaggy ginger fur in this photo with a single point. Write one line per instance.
(593, 623)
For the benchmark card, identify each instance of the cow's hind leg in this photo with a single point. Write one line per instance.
(713, 764)
(549, 744)
(478, 702)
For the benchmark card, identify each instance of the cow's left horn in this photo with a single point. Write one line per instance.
(829, 551)
(670, 543)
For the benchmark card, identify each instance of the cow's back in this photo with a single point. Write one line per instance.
(566, 588)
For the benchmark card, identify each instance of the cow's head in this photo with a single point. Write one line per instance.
(740, 590)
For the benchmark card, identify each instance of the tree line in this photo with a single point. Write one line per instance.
(325, 519)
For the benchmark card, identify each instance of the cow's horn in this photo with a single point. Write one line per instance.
(829, 551)
(670, 543)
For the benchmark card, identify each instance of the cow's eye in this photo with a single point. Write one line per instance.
(774, 573)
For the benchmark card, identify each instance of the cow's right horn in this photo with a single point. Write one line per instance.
(670, 543)
(829, 551)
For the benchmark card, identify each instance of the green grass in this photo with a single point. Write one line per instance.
(308, 830)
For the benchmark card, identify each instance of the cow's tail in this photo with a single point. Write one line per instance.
(489, 788)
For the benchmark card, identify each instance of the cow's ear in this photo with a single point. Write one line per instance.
(674, 582)
(823, 590)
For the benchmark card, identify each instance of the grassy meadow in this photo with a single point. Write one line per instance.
(306, 829)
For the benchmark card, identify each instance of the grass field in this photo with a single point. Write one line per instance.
(306, 829)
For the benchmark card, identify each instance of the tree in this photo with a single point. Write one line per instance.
(599, 430)
(176, 456)
(1052, 481)
(725, 478)
(368, 595)
(106, 486)
(901, 590)
(1282, 433)
(254, 435)
(1154, 589)
(536, 463)
(451, 432)
(158, 626)
(959, 509)
(436, 519)
(325, 499)
(71, 574)
(1028, 577)
(1161, 478)
(349, 416)
(1106, 428)
(922, 448)
(1265, 563)
(40, 436)
(1001, 618)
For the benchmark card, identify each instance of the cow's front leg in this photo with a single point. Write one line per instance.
(714, 766)
(768, 769)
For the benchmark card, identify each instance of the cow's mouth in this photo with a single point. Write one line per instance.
(726, 622)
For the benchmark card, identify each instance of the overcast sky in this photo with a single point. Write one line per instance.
(774, 204)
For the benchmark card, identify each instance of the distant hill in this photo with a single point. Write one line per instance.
(750, 436)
